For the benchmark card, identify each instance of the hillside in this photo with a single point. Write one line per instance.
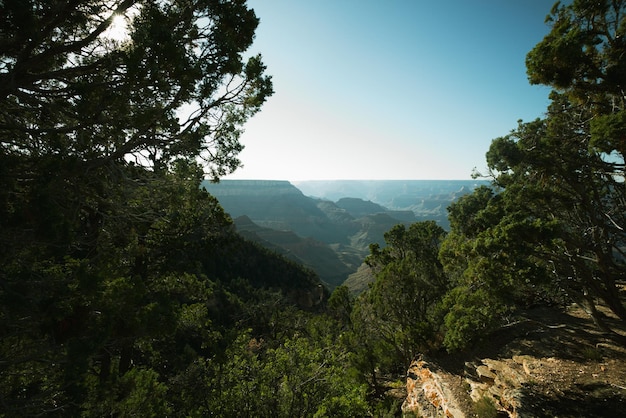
(309, 252)
(425, 199)
(330, 225)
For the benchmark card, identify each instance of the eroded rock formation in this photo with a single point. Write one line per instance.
(429, 392)
(551, 363)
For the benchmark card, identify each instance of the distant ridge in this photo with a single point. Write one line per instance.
(427, 199)
(388, 193)
(250, 187)
(329, 225)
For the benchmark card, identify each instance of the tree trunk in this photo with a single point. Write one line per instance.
(611, 297)
(589, 306)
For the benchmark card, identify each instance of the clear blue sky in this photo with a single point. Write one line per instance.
(393, 89)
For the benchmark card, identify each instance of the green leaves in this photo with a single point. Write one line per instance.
(469, 315)
(110, 253)
(608, 134)
(301, 375)
(563, 176)
(583, 53)
(137, 392)
(164, 94)
(397, 311)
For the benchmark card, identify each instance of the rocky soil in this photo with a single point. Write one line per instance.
(549, 362)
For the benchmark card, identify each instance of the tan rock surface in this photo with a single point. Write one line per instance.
(550, 363)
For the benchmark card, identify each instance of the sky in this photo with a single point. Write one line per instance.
(390, 89)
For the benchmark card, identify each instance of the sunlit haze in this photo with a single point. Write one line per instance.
(401, 89)
(118, 30)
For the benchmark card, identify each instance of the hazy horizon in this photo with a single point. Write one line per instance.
(226, 179)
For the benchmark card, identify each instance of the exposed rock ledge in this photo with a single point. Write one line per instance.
(433, 392)
(429, 393)
(551, 363)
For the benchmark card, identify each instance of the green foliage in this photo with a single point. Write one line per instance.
(340, 305)
(161, 308)
(583, 53)
(608, 132)
(309, 381)
(469, 315)
(564, 209)
(124, 289)
(91, 100)
(300, 375)
(474, 212)
(489, 279)
(395, 319)
(138, 392)
(159, 304)
(563, 176)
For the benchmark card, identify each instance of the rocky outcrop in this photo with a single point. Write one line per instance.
(499, 381)
(550, 363)
(496, 384)
(430, 393)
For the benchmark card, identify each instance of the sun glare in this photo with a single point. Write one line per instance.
(118, 30)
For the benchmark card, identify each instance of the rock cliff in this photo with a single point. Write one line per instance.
(548, 363)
